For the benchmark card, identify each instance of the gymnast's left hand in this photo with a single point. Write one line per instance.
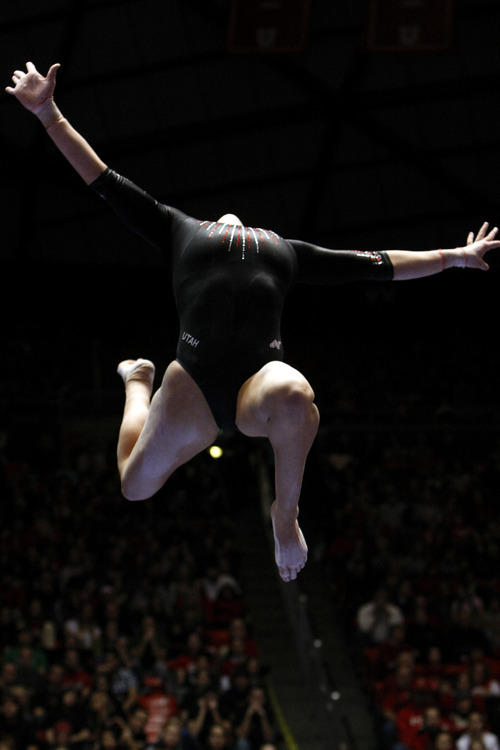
(477, 247)
(33, 89)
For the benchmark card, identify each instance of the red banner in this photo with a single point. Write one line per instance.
(268, 26)
(410, 25)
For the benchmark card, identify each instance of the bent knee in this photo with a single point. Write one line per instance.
(294, 395)
(292, 412)
(277, 391)
(133, 494)
(134, 490)
(290, 408)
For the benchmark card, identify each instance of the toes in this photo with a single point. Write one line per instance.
(289, 574)
(124, 367)
(140, 368)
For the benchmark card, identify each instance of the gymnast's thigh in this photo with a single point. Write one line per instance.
(179, 425)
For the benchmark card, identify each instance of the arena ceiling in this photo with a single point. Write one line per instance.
(335, 143)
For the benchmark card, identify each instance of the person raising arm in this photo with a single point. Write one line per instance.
(411, 265)
(36, 93)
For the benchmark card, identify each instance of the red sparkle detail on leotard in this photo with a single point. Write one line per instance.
(376, 257)
(236, 236)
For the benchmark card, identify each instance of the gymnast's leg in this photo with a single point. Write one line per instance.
(159, 435)
(278, 403)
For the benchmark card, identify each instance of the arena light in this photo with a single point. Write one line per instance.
(215, 451)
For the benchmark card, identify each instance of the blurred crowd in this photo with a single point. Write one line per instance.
(409, 546)
(122, 626)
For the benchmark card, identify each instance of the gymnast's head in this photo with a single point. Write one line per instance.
(230, 219)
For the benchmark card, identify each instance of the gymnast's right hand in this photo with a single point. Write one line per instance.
(32, 89)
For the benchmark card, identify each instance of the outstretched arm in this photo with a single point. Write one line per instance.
(36, 94)
(413, 265)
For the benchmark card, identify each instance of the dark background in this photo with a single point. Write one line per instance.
(336, 144)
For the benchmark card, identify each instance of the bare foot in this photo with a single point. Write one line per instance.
(290, 548)
(141, 370)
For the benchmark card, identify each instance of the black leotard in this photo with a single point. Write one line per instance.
(229, 284)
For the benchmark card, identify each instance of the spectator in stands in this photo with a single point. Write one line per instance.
(476, 732)
(74, 672)
(464, 637)
(112, 638)
(109, 740)
(396, 695)
(134, 730)
(70, 711)
(185, 586)
(390, 650)
(443, 741)
(421, 734)
(193, 654)
(214, 579)
(466, 598)
(9, 626)
(376, 618)
(35, 660)
(123, 682)
(59, 737)
(238, 648)
(84, 631)
(218, 739)
(178, 683)
(256, 725)
(238, 627)
(207, 715)
(256, 670)
(173, 737)
(460, 713)
(200, 682)
(490, 622)
(235, 658)
(227, 606)
(17, 732)
(423, 629)
(50, 696)
(129, 733)
(234, 700)
(27, 674)
(432, 665)
(149, 648)
(8, 678)
(463, 687)
(482, 683)
(100, 715)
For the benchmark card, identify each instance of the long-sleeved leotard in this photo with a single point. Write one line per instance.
(229, 284)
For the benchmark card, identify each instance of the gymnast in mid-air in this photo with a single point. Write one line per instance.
(229, 282)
